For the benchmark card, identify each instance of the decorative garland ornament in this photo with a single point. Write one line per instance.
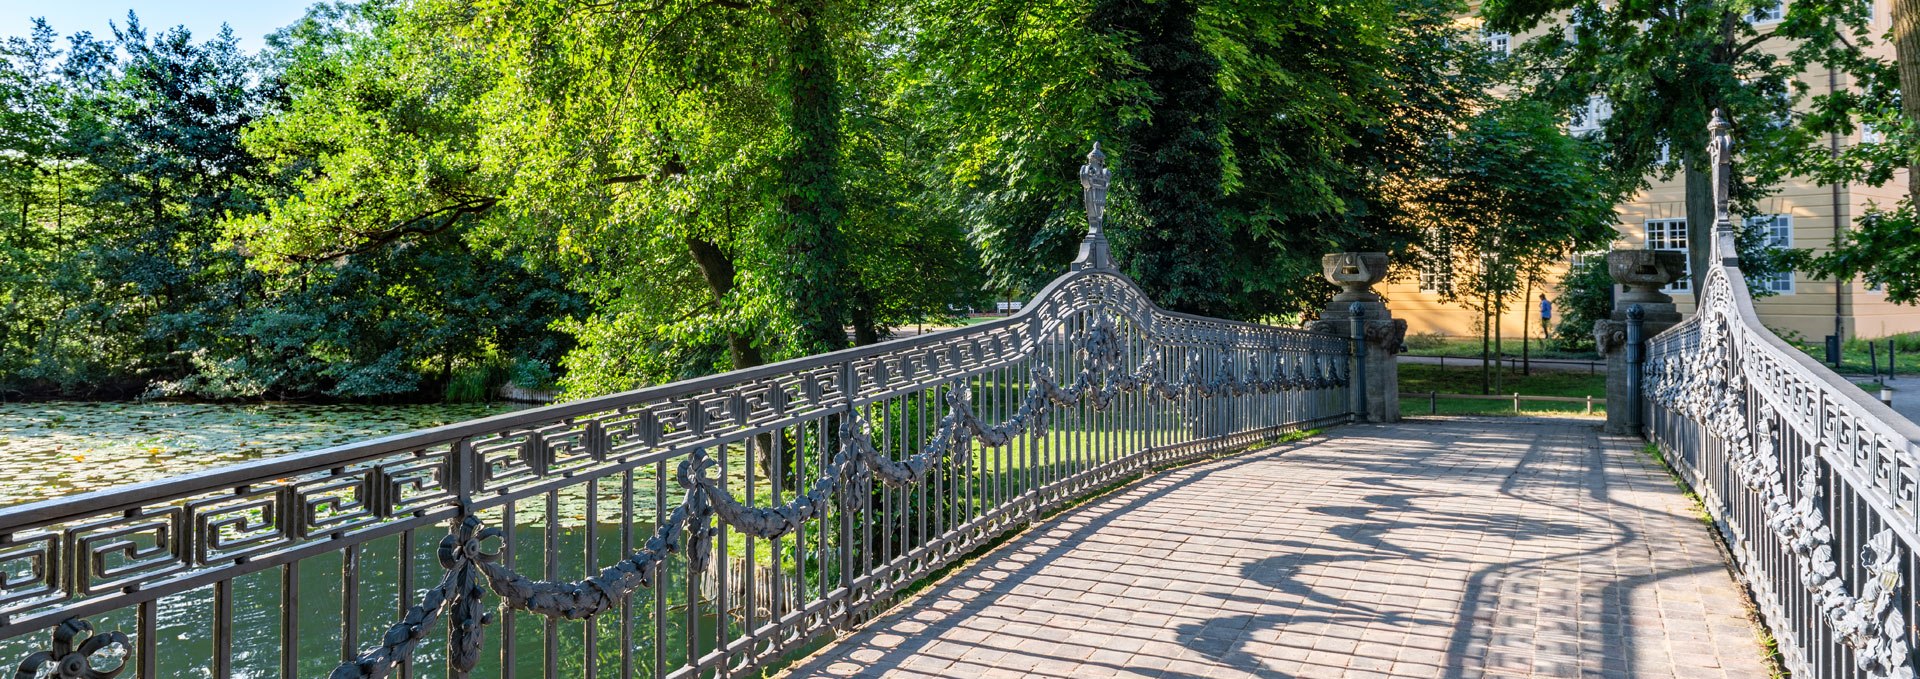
(691, 528)
(1707, 383)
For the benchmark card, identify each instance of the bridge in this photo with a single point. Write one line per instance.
(1503, 546)
(1094, 486)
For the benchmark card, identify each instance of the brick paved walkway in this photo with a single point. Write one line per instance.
(1500, 547)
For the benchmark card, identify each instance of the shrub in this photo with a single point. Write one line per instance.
(1424, 341)
(1586, 295)
(476, 381)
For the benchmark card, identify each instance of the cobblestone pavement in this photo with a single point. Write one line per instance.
(1495, 547)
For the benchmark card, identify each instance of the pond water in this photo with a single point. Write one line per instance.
(55, 448)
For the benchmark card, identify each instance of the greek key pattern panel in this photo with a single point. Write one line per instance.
(76, 558)
(1718, 371)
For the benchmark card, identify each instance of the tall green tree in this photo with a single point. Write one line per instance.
(1515, 200)
(1655, 70)
(125, 281)
(684, 164)
(1247, 138)
(1174, 152)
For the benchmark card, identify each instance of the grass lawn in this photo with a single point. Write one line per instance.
(1465, 347)
(1415, 378)
(1854, 358)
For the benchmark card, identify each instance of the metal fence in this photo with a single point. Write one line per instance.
(702, 528)
(1812, 482)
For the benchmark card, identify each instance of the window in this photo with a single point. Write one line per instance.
(1670, 234)
(1665, 156)
(1589, 119)
(1868, 135)
(1779, 232)
(1766, 14)
(1500, 44)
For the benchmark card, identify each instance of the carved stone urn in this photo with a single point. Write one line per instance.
(1355, 273)
(1644, 272)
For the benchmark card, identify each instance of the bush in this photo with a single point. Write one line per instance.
(1425, 341)
(534, 374)
(476, 382)
(1586, 295)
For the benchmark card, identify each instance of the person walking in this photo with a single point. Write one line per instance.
(1546, 314)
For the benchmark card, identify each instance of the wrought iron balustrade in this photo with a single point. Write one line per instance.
(704, 527)
(1812, 482)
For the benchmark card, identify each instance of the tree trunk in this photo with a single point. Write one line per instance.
(1486, 332)
(1177, 258)
(1906, 50)
(1499, 344)
(811, 203)
(1699, 190)
(1526, 331)
(718, 270)
(865, 331)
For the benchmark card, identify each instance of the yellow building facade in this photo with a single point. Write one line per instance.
(1800, 214)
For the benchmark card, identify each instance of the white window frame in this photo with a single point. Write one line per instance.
(1671, 234)
(1762, 15)
(1590, 118)
(1500, 44)
(1780, 235)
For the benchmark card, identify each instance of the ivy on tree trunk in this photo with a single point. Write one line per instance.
(809, 199)
(1172, 155)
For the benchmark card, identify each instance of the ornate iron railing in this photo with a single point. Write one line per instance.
(710, 526)
(1812, 482)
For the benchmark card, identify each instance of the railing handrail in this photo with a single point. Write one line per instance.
(25, 515)
(1088, 383)
(1838, 386)
(1810, 480)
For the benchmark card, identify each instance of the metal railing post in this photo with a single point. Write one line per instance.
(852, 385)
(1636, 358)
(1358, 385)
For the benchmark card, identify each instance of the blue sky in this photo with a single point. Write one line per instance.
(252, 20)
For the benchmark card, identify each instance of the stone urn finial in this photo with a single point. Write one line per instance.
(1355, 273)
(1645, 272)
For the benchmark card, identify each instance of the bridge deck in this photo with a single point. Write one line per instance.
(1457, 548)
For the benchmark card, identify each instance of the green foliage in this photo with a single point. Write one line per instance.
(395, 193)
(1518, 197)
(528, 373)
(475, 382)
(1175, 152)
(1247, 139)
(809, 205)
(1586, 296)
(1662, 67)
(127, 279)
(1882, 250)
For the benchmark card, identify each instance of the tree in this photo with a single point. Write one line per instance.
(1174, 152)
(1661, 67)
(1515, 199)
(1586, 296)
(685, 165)
(1318, 106)
(1883, 245)
(121, 279)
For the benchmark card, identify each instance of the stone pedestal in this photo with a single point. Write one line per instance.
(1356, 273)
(1644, 273)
